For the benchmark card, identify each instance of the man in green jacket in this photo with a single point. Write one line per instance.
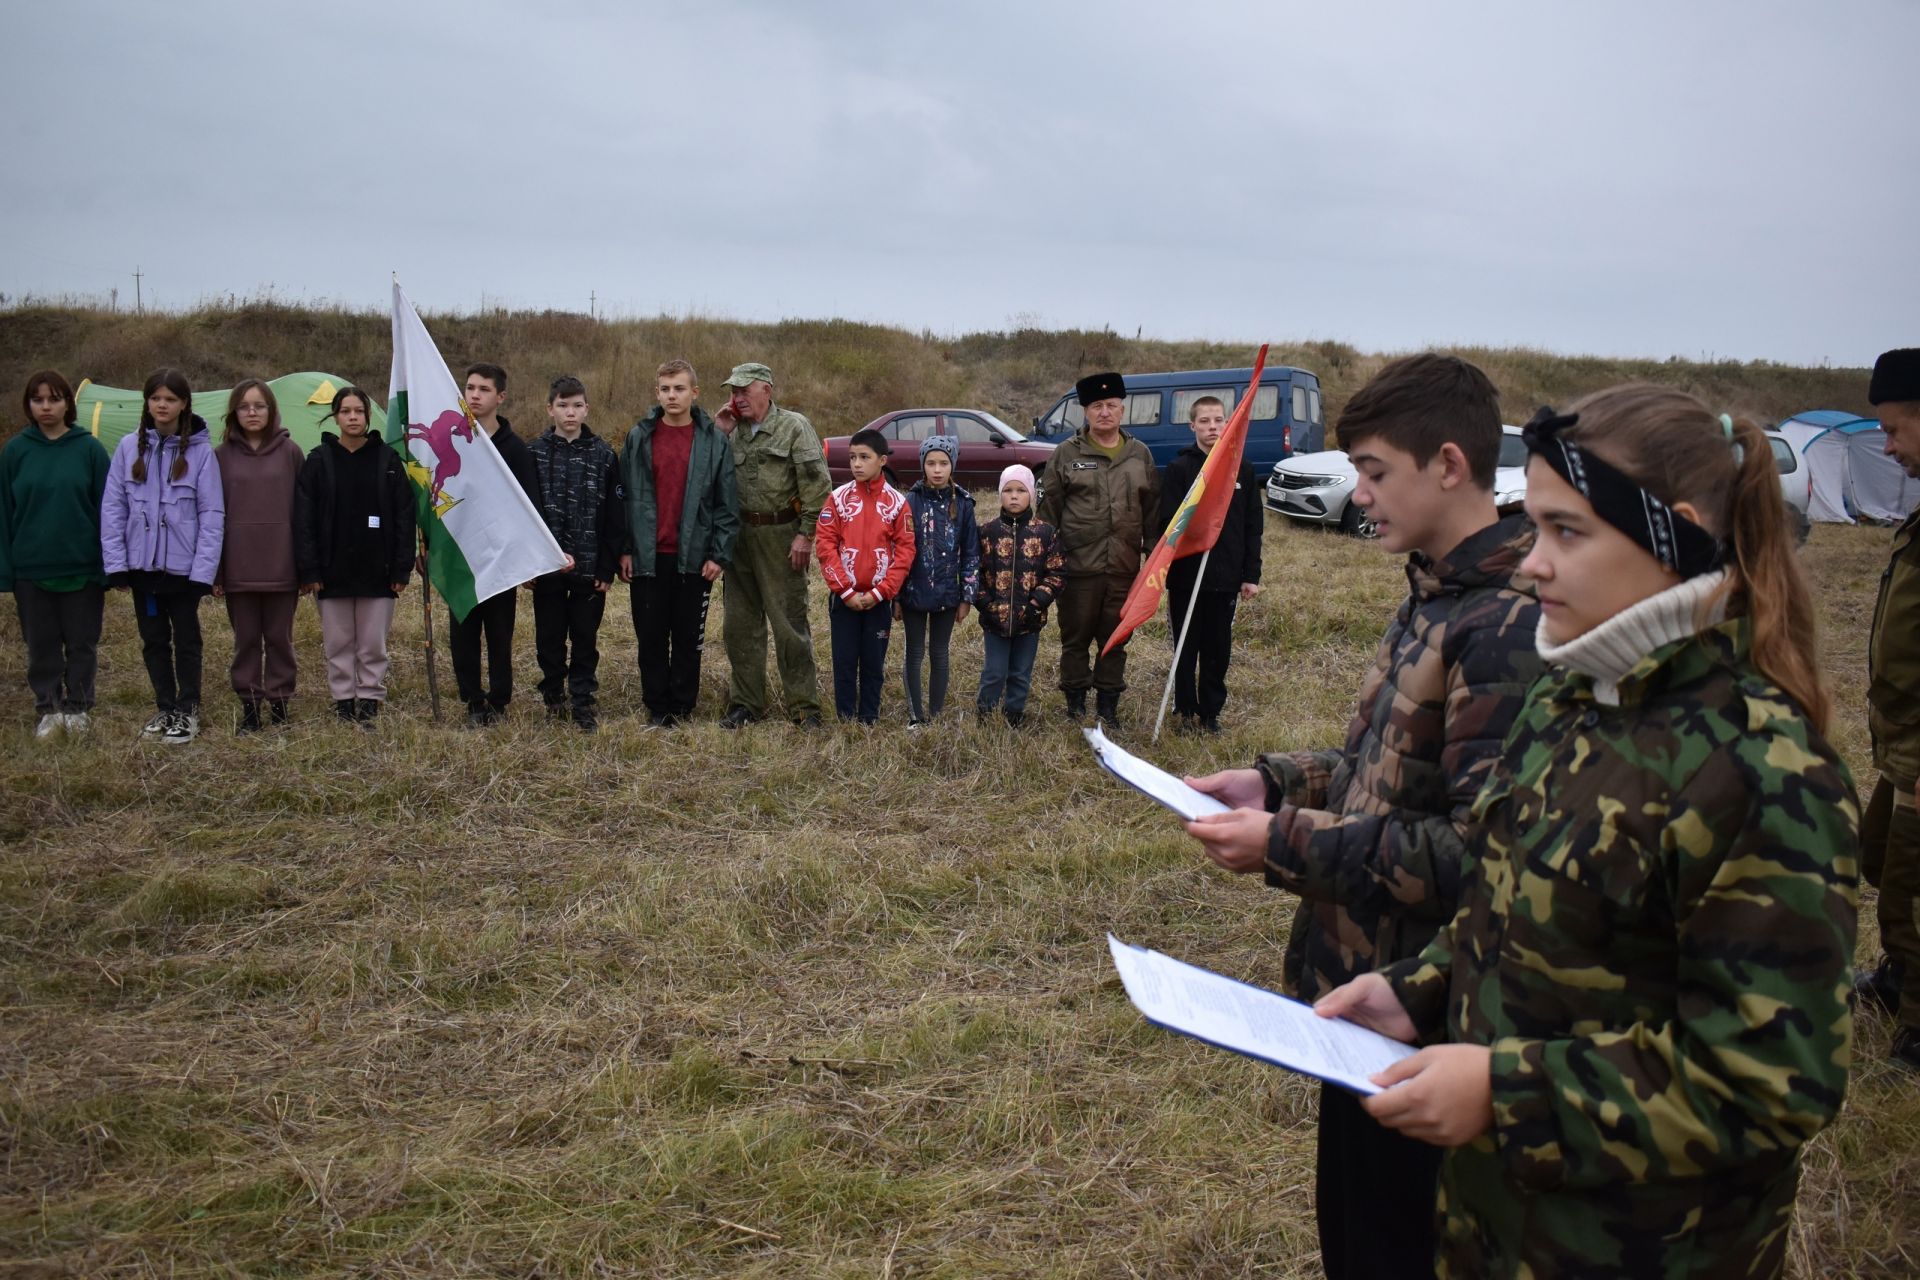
(676, 471)
(1890, 828)
(1100, 491)
(780, 473)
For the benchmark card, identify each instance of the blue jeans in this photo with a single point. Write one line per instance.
(1009, 668)
(859, 658)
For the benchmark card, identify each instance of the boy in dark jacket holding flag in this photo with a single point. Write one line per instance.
(1232, 574)
(579, 498)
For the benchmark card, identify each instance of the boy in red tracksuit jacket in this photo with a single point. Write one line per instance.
(865, 544)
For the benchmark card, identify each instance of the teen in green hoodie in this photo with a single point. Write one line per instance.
(52, 475)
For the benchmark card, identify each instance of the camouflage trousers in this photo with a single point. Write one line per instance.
(1890, 860)
(761, 590)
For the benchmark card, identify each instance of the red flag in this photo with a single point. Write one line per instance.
(1196, 524)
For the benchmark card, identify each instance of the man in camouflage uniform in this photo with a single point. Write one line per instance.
(1100, 491)
(1371, 836)
(1656, 948)
(1890, 832)
(781, 476)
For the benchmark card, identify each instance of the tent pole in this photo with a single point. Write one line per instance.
(426, 613)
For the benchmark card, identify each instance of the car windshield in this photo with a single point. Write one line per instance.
(1000, 426)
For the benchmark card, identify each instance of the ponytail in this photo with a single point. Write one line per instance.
(1768, 584)
(1672, 445)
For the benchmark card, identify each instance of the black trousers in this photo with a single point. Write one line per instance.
(670, 626)
(62, 631)
(929, 635)
(566, 639)
(169, 623)
(1200, 674)
(492, 619)
(1375, 1193)
(859, 658)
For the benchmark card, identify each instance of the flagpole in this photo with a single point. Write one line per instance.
(1193, 598)
(426, 613)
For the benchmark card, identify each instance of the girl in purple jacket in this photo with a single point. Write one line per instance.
(259, 463)
(161, 527)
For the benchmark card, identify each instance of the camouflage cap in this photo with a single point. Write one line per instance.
(745, 373)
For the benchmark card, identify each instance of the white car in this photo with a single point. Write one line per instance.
(1316, 487)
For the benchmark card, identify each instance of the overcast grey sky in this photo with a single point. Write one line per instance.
(1727, 178)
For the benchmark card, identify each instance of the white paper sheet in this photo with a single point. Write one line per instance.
(1260, 1024)
(1150, 779)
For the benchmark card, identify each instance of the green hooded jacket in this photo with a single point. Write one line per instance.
(710, 515)
(50, 492)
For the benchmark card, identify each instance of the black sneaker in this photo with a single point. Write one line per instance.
(480, 715)
(557, 711)
(585, 719)
(661, 720)
(366, 711)
(1880, 986)
(277, 711)
(157, 727)
(1014, 718)
(182, 727)
(343, 707)
(249, 717)
(1210, 725)
(737, 718)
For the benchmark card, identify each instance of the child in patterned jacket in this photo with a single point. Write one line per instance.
(1021, 571)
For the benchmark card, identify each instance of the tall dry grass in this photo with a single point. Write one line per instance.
(437, 1002)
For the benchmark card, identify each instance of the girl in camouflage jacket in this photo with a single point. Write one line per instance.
(1646, 989)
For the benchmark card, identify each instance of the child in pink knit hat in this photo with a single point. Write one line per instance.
(1021, 571)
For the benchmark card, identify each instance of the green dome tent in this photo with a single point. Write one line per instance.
(304, 398)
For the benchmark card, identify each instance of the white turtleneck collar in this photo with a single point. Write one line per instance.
(1616, 646)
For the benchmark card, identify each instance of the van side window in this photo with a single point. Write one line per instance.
(1313, 396)
(1266, 404)
(1183, 401)
(1300, 411)
(1143, 409)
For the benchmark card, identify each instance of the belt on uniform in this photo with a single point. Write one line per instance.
(770, 517)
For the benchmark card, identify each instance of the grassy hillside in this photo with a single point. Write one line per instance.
(437, 1002)
(839, 373)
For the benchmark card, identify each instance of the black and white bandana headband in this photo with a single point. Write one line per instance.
(1675, 541)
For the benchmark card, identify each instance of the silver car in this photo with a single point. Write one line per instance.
(1317, 488)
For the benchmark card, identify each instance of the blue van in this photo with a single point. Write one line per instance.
(1285, 418)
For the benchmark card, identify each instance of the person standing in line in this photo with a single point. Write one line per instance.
(945, 575)
(492, 620)
(780, 473)
(683, 518)
(1099, 492)
(1233, 574)
(259, 466)
(162, 523)
(581, 502)
(865, 544)
(353, 546)
(53, 477)
(1021, 573)
(1890, 831)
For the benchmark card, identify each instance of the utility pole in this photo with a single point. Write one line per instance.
(136, 289)
(593, 304)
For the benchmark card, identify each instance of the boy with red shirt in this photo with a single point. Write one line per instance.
(682, 516)
(865, 545)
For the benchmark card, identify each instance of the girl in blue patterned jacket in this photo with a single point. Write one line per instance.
(945, 576)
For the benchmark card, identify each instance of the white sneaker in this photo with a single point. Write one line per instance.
(184, 727)
(157, 726)
(50, 724)
(78, 721)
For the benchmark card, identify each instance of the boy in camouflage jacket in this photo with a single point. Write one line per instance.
(1371, 837)
(1647, 984)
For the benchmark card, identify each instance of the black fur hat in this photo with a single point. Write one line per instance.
(1896, 376)
(1099, 386)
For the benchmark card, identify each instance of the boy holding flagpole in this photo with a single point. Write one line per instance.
(1204, 592)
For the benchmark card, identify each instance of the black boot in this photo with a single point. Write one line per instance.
(1077, 703)
(343, 707)
(366, 710)
(1880, 986)
(277, 711)
(1014, 718)
(1107, 707)
(249, 716)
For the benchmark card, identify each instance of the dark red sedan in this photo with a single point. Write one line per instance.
(987, 445)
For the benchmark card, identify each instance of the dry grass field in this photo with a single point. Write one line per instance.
(432, 1001)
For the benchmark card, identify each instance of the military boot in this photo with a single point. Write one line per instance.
(1107, 707)
(249, 716)
(1077, 703)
